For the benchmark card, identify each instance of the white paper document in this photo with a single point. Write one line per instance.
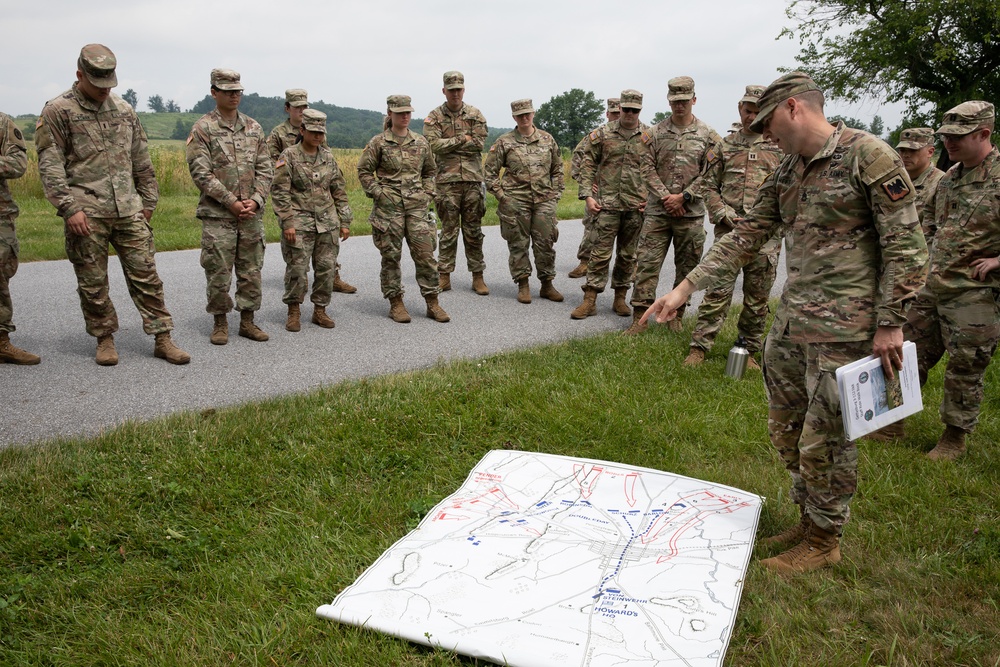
(542, 560)
(868, 402)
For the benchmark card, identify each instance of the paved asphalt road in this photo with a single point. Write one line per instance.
(69, 395)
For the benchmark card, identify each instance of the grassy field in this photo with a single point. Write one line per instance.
(210, 538)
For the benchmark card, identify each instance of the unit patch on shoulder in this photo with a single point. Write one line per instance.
(17, 133)
(896, 187)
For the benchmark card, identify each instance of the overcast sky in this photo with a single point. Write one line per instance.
(354, 54)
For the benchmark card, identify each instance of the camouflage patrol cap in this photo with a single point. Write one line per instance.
(518, 107)
(752, 94)
(788, 85)
(916, 138)
(680, 88)
(296, 97)
(399, 103)
(454, 80)
(614, 104)
(314, 120)
(226, 79)
(967, 117)
(98, 63)
(631, 99)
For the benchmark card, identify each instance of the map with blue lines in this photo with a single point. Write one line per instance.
(542, 560)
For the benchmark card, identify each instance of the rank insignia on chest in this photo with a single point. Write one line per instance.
(752, 157)
(896, 188)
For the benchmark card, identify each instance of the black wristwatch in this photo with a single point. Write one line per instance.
(687, 196)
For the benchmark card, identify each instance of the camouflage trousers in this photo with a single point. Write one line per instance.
(966, 325)
(758, 279)
(461, 206)
(418, 229)
(9, 249)
(227, 243)
(322, 249)
(132, 239)
(658, 231)
(806, 427)
(608, 228)
(523, 225)
(583, 252)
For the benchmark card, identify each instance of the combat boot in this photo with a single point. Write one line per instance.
(106, 355)
(294, 321)
(620, 305)
(636, 327)
(523, 291)
(589, 305)
(752, 364)
(793, 535)
(819, 549)
(444, 281)
(675, 325)
(397, 311)
(250, 330)
(321, 319)
(580, 271)
(695, 357)
(434, 309)
(890, 433)
(164, 348)
(220, 330)
(340, 286)
(949, 446)
(479, 285)
(549, 291)
(15, 355)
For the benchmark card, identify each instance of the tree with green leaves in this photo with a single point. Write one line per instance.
(172, 107)
(131, 97)
(659, 116)
(155, 104)
(569, 116)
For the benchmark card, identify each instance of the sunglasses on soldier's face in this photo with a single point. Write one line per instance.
(627, 110)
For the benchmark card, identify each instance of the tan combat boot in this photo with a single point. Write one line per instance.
(695, 357)
(636, 328)
(949, 446)
(479, 285)
(620, 305)
(549, 291)
(890, 433)
(340, 286)
(434, 309)
(15, 355)
(752, 364)
(106, 355)
(321, 319)
(589, 305)
(523, 291)
(444, 281)
(793, 535)
(675, 325)
(397, 311)
(164, 348)
(250, 330)
(294, 321)
(220, 330)
(580, 271)
(819, 549)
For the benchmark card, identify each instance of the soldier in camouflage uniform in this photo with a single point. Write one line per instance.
(310, 200)
(95, 168)
(527, 197)
(13, 163)
(457, 134)
(611, 184)
(680, 150)
(228, 160)
(397, 170)
(583, 252)
(916, 149)
(856, 259)
(285, 136)
(729, 192)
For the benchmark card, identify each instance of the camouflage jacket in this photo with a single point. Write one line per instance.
(308, 192)
(676, 160)
(926, 187)
(229, 163)
(282, 136)
(457, 160)
(13, 162)
(94, 158)
(612, 160)
(398, 170)
(967, 213)
(576, 160)
(533, 167)
(855, 253)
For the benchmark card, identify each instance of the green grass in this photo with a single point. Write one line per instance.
(210, 538)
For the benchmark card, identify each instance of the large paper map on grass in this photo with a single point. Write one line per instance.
(552, 560)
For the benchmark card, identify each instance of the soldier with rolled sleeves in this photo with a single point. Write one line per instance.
(95, 168)
(228, 160)
(612, 186)
(527, 197)
(729, 192)
(856, 259)
(310, 200)
(457, 133)
(680, 151)
(397, 170)
(13, 163)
